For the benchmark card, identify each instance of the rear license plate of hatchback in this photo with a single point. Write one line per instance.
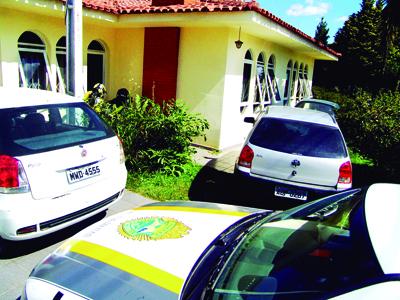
(285, 192)
(82, 173)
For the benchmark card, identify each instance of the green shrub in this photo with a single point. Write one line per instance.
(370, 124)
(155, 138)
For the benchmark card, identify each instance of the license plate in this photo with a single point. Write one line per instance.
(281, 191)
(79, 174)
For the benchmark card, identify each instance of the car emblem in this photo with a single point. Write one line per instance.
(295, 163)
(84, 153)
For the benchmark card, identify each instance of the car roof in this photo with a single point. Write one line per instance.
(332, 104)
(20, 97)
(300, 114)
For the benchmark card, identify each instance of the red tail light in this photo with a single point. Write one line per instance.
(8, 172)
(246, 157)
(345, 176)
(12, 175)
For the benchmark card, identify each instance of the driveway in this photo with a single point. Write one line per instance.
(17, 263)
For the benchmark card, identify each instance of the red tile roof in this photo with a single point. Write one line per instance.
(145, 6)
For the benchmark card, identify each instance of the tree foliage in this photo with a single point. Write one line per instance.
(321, 33)
(369, 48)
(370, 124)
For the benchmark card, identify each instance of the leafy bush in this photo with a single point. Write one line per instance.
(370, 123)
(155, 138)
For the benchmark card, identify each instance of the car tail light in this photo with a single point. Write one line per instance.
(345, 176)
(121, 151)
(12, 176)
(246, 157)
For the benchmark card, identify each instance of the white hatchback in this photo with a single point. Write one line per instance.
(59, 163)
(302, 152)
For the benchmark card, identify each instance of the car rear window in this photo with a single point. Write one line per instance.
(297, 137)
(35, 129)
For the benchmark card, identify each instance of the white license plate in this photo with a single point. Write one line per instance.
(285, 192)
(79, 174)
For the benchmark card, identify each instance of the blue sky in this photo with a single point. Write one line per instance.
(306, 14)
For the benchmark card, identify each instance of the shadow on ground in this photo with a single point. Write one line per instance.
(364, 175)
(213, 185)
(13, 249)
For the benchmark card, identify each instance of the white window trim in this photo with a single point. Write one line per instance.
(61, 51)
(21, 70)
(272, 84)
(258, 104)
(102, 54)
(288, 81)
(247, 103)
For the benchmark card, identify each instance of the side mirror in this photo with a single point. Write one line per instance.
(249, 120)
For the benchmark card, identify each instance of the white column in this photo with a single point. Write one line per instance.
(74, 47)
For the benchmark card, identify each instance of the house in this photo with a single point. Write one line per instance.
(225, 59)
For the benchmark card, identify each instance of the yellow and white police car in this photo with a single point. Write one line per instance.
(342, 247)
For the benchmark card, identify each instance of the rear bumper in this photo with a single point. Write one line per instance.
(49, 215)
(313, 192)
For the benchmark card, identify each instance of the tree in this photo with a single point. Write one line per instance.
(391, 29)
(370, 50)
(360, 42)
(321, 33)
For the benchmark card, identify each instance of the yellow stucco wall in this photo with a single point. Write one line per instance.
(201, 76)
(211, 79)
(123, 68)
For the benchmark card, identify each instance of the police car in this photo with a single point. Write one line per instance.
(59, 163)
(344, 246)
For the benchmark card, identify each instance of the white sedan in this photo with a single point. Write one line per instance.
(344, 246)
(59, 163)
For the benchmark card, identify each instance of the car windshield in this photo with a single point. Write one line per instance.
(305, 257)
(35, 129)
(297, 137)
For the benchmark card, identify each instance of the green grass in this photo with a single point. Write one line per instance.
(163, 187)
(358, 159)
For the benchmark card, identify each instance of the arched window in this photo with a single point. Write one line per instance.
(294, 82)
(260, 83)
(272, 86)
(247, 66)
(300, 84)
(33, 67)
(95, 64)
(61, 53)
(288, 78)
(307, 87)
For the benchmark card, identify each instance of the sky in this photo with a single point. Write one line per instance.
(306, 14)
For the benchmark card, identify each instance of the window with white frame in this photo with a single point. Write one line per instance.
(34, 70)
(307, 87)
(260, 90)
(95, 64)
(294, 83)
(272, 86)
(61, 54)
(289, 70)
(247, 66)
(300, 85)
